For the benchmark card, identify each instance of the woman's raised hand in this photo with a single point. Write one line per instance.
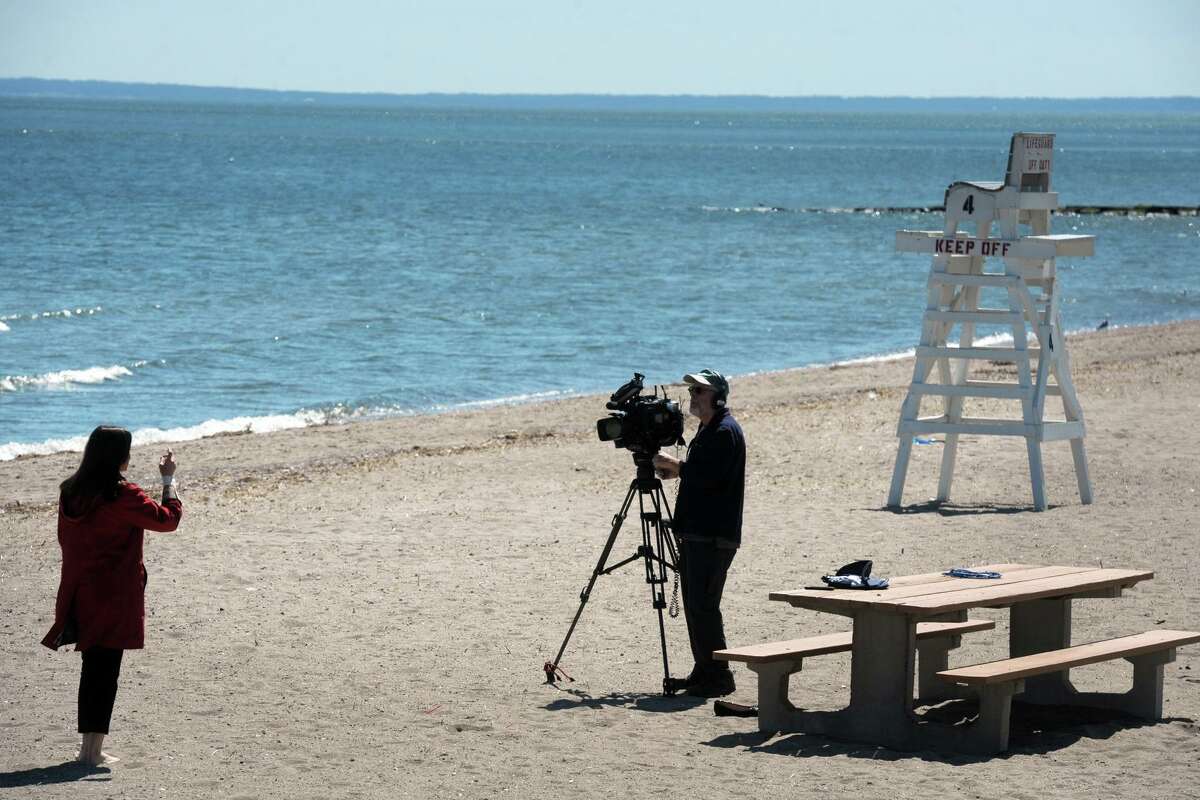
(166, 464)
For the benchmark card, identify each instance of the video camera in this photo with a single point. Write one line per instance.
(640, 424)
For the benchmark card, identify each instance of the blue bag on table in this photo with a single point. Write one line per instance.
(963, 572)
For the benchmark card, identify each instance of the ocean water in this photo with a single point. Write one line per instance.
(183, 269)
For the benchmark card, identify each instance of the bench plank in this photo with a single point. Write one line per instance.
(837, 642)
(1012, 669)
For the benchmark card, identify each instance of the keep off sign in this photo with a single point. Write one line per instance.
(971, 247)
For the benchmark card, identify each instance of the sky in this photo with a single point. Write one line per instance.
(1052, 48)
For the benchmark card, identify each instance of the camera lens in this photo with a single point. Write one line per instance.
(609, 428)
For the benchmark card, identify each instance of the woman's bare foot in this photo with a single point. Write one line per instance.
(91, 754)
(85, 749)
(102, 760)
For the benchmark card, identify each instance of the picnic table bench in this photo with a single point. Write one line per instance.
(773, 663)
(998, 681)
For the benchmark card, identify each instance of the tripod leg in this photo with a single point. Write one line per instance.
(551, 667)
(667, 531)
(662, 556)
(656, 572)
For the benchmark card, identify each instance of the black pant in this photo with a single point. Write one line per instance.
(98, 688)
(702, 571)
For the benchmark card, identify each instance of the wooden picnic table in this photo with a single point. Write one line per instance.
(883, 650)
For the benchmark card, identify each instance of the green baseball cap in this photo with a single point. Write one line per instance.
(710, 379)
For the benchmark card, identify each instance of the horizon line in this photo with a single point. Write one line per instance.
(552, 95)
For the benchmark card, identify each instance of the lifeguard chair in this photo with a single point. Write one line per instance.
(1029, 284)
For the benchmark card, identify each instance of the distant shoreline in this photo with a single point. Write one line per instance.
(113, 90)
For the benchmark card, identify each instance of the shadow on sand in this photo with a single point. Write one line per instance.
(66, 772)
(1034, 730)
(655, 703)
(951, 510)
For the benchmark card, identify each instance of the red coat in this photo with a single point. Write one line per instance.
(102, 589)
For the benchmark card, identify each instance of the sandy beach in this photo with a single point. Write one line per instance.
(363, 610)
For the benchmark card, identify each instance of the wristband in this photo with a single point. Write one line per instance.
(168, 480)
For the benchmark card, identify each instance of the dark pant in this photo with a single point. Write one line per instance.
(702, 570)
(98, 688)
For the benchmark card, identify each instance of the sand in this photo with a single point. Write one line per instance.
(364, 610)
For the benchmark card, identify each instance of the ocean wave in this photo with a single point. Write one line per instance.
(4, 327)
(142, 436)
(991, 340)
(874, 358)
(513, 400)
(215, 427)
(16, 449)
(342, 413)
(335, 415)
(877, 358)
(66, 378)
(744, 209)
(61, 313)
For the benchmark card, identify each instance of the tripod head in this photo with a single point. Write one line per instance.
(645, 470)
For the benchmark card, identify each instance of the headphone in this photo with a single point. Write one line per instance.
(722, 395)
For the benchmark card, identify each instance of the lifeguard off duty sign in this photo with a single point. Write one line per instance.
(1039, 153)
(1032, 159)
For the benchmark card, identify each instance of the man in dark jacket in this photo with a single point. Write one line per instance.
(708, 521)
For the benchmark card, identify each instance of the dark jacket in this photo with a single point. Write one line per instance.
(712, 483)
(101, 594)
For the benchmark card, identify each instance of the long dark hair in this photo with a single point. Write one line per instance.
(99, 475)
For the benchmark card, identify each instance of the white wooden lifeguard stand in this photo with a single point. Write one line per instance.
(1030, 281)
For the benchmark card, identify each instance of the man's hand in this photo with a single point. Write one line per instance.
(166, 464)
(665, 466)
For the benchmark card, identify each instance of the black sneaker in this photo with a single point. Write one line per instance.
(673, 685)
(716, 686)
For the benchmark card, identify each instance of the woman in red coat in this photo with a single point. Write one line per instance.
(100, 607)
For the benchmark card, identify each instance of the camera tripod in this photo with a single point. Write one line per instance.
(657, 553)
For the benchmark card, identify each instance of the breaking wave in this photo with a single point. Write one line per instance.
(60, 313)
(64, 379)
(212, 427)
(335, 415)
